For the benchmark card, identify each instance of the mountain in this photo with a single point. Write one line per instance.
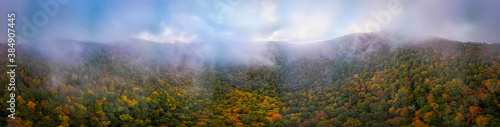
(369, 79)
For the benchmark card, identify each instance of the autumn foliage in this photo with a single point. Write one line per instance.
(371, 83)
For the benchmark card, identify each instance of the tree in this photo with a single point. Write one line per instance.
(475, 110)
(44, 104)
(351, 122)
(483, 120)
(418, 123)
(31, 106)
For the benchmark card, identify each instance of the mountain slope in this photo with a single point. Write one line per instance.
(373, 79)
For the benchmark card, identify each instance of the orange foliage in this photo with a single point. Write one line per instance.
(418, 123)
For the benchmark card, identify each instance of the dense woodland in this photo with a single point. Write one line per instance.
(357, 80)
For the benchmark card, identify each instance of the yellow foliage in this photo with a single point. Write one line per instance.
(201, 124)
(46, 118)
(132, 102)
(352, 123)
(434, 106)
(418, 123)
(27, 123)
(429, 116)
(90, 91)
(173, 107)
(392, 110)
(482, 120)
(20, 100)
(105, 123)
(100, 113)
(329, 108)
(79, 106)
(65, 119)
(67, 98)
(124, 98)
(459, 117)
(258, 125)
(31, 105)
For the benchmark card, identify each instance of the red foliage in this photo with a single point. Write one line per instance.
(475, 110)
(481, 90)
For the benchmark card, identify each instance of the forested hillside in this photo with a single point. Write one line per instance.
(355, 80)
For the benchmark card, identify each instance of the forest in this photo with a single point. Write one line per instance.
(366, 79)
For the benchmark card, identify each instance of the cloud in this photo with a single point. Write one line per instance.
(168, 35)
(458, 19)
(172, 31)
(275, 20)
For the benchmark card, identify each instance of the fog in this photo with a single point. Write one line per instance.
(201, 34)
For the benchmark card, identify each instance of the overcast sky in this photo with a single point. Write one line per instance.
(252, 20)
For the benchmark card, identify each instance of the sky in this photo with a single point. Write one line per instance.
(181, 21)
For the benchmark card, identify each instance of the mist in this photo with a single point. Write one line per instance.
(254, 63)
(203, 32)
